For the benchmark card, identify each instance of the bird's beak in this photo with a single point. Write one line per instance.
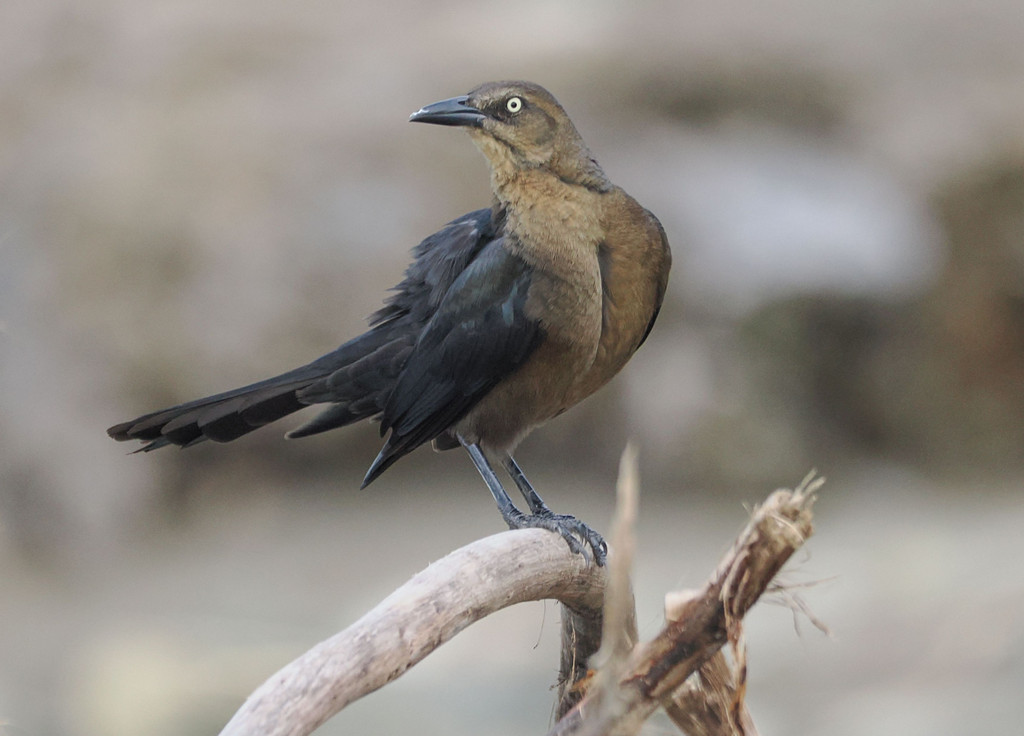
(456, 111)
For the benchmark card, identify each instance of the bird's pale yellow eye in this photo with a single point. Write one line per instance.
(514, 105)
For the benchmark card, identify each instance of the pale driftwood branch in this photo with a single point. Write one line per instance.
(634, 679)
(707, 619)
(431, 608)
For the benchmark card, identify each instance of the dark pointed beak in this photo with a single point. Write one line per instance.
(456, 111)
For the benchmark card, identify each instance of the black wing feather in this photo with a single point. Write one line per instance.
(479, 334)
(356, 378)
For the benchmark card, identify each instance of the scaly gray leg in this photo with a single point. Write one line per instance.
(564, 522)
(516, 519)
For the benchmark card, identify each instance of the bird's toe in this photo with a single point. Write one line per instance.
(576, 534)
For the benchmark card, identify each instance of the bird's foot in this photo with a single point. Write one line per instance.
(575, 533)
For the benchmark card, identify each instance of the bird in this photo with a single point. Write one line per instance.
(505, 318)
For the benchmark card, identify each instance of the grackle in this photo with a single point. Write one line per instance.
(506, 317)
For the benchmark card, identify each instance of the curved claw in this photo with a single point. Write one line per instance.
(575, 533)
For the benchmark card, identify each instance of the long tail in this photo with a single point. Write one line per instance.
(355, 379)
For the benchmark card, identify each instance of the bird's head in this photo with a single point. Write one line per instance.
(519, 125)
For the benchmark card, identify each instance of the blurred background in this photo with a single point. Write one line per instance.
(198, 195)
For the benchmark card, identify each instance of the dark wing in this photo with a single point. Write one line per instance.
(479, 334)
(356, 378)
(437, 262)
(358, 389)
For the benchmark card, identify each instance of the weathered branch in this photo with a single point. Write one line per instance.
(619, 632)
(632, 680)
(711, 702)
(427, 611)
(707, 619)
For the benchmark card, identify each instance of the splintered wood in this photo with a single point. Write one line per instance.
(699, 623)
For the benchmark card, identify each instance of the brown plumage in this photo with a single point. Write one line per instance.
(507, 316)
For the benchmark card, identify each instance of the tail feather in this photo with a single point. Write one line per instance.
(334, 416)
(221, 418)
(355, 379)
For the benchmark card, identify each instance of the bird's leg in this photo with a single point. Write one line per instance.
(563, 522)
(508, 510)
(515, 518)
(535, 502)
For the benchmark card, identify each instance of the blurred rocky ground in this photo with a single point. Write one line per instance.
(195, 196)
